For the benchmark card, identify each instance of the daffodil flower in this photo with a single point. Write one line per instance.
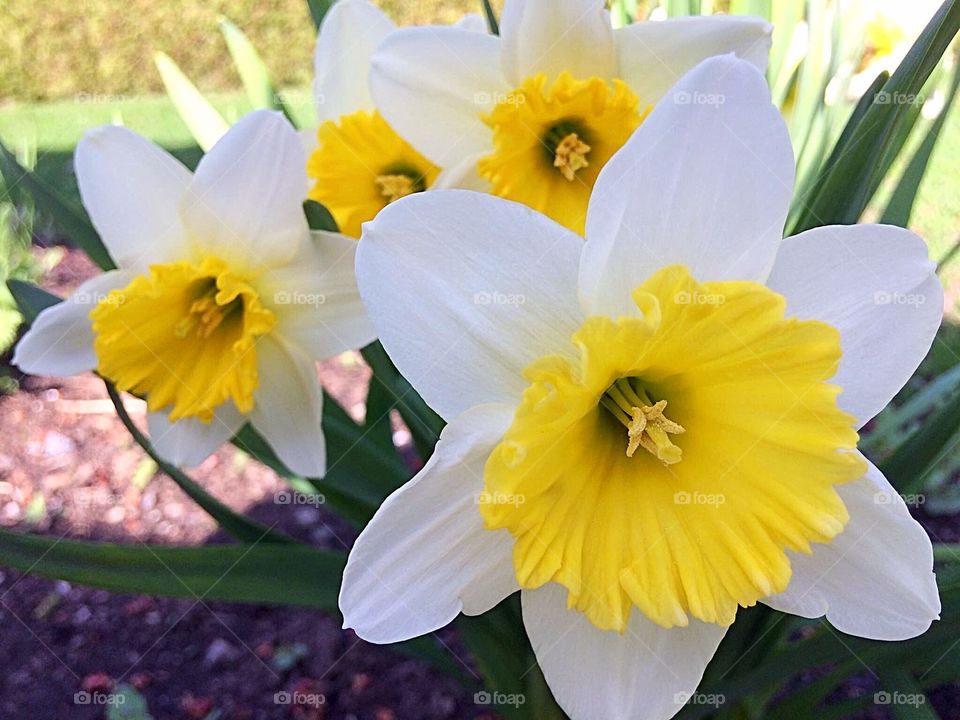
(222, 299)
(357, 164)
(533, 115)
(655, 427)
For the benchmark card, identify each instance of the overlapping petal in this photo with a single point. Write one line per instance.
(653, 56)
(426, 556)
(875, 580)
(132, 190)
(678, 190)
(877, 285)
(244, 204)
(189, 441)
(466, 290)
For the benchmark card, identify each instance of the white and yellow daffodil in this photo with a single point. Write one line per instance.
(222, 299)
(357, 164)
(533, 115)
(657, 426)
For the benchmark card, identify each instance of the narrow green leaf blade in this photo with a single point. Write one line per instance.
(253, 71)
(319, 9)
(202, 119)
(69, 218)
(31, 300)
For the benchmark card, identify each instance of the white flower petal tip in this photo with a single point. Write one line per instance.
(60, 340)
(486, 304)
(245, 202)
(647, 672)
(713, 141)
(876, 579)
(188, 442)
(348, 36)
(426, 556)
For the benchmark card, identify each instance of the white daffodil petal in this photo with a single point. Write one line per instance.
(60, 340)
(132, 190)
(466, 290)
(675, 192)
(875, 580)
(645, 673)
(349, 35)
(288, 406)
(315, 298)
(245, 202)
(877, 286)
(653, 56)
(190, 441)
(553, 36)
(426, 555)
(433, 85)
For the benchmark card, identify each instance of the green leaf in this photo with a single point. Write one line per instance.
(31, 299)
(387, 383)
(900, 206)
(202, 119)
(235, 573)
(844, 189)
(71, 220)
(236, 525)
(907, 699)
(360, 472)
(318, 217)
(490, 14)
(909, 464)
(319, 9)
(253, 71)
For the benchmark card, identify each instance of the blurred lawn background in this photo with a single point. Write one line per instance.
(66, 67)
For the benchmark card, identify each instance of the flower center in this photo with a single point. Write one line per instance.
(551, 141)
(564, 145)
(361, 165)
(399, 181)
(647, 426)
(764, 447)
(184, 336)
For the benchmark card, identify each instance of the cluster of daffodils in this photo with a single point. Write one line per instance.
(657, 425)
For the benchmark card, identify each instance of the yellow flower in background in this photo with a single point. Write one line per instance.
(358, 164)
(534, 114)
(222, 299)
(655, 427)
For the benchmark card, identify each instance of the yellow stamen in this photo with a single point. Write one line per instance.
(571, 155)
(647, 426)
(394, 187)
